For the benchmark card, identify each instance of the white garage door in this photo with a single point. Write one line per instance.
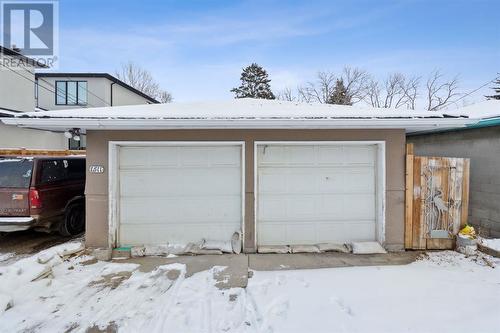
(179, 194)
(309, 194)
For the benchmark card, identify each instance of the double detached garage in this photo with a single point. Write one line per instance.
(278, 173)
(272, 192)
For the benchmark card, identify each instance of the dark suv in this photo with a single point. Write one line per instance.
(42, 193)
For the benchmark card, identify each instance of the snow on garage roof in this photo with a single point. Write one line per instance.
(237, 113)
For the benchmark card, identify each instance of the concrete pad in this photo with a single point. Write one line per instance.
(234, 275)
(273, 262)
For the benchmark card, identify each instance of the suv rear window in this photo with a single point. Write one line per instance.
(61, 170)
(15, 172)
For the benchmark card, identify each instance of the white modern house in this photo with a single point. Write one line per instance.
(24, 90)
(56, 91)
(17, 91)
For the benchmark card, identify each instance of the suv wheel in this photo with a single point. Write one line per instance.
(74, 220)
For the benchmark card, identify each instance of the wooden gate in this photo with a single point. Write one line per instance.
(437, 200)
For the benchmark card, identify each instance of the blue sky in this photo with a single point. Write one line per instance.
(196, 49)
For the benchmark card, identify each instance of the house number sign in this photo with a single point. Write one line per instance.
(96, 169)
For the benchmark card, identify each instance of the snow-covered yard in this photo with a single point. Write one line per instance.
(441, 293)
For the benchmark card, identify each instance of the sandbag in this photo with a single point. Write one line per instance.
(224, 246)
(333, 247)
(236, 242)
(273, 249)
(367, 248)
(304, 249)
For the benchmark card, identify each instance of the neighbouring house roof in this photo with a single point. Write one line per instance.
(482, 110)
(237, 113)
(110, 77)
(22, 58)
(485, 114)
(7, 113)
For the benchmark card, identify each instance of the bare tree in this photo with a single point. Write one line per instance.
(410, 90)
(440, 93)
(320, 90)
(164, 97)
(373, 93)
(287, 95)
(396, 91)
(356, 81)
(142, 80)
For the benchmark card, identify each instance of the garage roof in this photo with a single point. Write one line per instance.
(237, 113)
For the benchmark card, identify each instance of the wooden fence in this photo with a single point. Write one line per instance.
(437, 200)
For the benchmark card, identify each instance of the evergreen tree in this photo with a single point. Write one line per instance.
(340, 95)
(496, 89)
(254, 83)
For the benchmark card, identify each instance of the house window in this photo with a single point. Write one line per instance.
(71, 92)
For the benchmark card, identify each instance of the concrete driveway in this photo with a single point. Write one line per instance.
(238, 267)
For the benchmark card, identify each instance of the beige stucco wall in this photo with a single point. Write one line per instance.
(15, 137)
(97, 184)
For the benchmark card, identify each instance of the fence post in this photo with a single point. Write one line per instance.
(409, 197)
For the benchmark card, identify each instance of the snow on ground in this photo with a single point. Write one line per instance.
(492, 243)
(443, 292)
(6, 256)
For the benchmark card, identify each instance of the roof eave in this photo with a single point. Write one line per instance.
(151, 124)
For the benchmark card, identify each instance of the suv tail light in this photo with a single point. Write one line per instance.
(35, 201)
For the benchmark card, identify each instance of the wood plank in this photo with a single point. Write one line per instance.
(40, 152)
(418, 197)
(440, 243)
(410, 149)
(444, 186)
(465, 194)
(420, 234)
(409, 201)
(456, 191)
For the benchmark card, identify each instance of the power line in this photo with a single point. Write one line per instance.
(473, 91)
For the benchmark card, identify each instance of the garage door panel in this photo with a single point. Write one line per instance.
(299, 155)
(317, 180)
(285, 234)
(316, 207)
(347, 206)
(299, 207)
(271, 208)
(346, 182)
(175, 209)
(133, 157)
(315, 193)
(346, 231)
(168, 181)
(331, 155)
(360, 155)
(179, 193)
(272, 181)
